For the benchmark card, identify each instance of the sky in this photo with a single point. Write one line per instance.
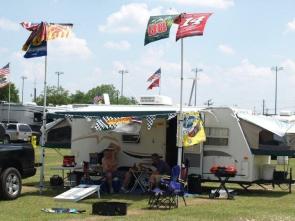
(242, 41)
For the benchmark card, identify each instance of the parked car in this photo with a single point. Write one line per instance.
(17, 132)
(2, 132)
(17, 161)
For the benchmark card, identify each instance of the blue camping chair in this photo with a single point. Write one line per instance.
(169, 190)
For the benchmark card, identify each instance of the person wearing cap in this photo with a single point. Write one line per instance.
(162, 168)
(110, 164)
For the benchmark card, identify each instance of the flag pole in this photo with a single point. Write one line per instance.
(180, 120)
(43, 138)
(160, 84)
(8, 112)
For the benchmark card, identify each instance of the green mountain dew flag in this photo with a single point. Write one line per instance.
(158, 28)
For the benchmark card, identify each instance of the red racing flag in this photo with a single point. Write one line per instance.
(191, 24)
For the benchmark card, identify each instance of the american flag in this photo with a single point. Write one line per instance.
(155, 83)
(136, 120)
(4, 70)
(156, 75)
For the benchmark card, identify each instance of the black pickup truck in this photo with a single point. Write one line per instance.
(17, 161)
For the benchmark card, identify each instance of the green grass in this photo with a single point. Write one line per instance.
(254, 205)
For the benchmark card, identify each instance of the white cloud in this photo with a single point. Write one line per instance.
(220, 4)
(289, 65)
(291, 25)
(71, 47)
(121, 45)
(131, 17)
(248, 70)
(8, 25)
(226, 49)
(3, 50)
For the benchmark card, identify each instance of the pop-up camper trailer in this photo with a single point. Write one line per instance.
(234, 137)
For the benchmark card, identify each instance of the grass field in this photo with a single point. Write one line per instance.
(254, 205)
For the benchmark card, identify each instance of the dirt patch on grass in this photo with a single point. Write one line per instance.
(28, 189)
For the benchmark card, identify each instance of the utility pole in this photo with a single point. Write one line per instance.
(263, 106)
(122, 72)
(23, 82)
(276, 69)
(58, 74)
(35, 90)
(194, 86)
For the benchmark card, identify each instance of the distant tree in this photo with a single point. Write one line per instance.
(54, 96)
(78, 98)
(111, 91)
(4, 93)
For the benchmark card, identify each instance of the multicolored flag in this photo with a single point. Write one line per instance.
(36, 44)
(155, 83)
(155, 75)
(193, 130)
(4, 72)
(158, 27)
(191, 24)
(97, 99)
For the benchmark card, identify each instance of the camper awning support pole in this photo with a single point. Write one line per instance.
(43, 137)
(180, 117)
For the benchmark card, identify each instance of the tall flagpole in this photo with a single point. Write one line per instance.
(180, 120)
(8, 112)
(160, 83)
(43, 131)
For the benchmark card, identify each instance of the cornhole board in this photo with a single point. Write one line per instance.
(79, 192)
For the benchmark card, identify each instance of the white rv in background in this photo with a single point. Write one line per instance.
(28, 113)
(233, 138)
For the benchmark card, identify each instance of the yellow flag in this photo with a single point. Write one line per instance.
(193, 130)
(58, 31)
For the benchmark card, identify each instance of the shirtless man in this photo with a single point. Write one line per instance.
(109, 163)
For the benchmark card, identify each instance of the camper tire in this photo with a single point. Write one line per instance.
(10, 184)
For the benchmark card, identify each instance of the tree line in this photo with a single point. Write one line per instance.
(61, 96)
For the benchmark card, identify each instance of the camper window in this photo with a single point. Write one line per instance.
(130, 138)
(217, 136)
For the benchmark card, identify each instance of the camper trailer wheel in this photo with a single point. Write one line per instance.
(6, 139)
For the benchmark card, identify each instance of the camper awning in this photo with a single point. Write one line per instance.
(274, 151)
(268, 123)
(115, 111)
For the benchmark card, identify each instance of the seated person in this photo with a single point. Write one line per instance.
(109, 164)
(162, 168)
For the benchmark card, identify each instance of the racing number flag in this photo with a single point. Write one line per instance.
(191, 24)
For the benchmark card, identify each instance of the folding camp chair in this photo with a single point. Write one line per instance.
(170, 188)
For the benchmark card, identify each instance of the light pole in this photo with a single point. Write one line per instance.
(276, 69)
(58, 74)
(196, 70)
(122, 72)
(23, 82)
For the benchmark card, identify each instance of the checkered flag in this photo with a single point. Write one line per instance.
(150, 120)
(101, 124)
(171, 116)
(69, 116)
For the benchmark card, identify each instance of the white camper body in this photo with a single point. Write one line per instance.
(232, 137)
